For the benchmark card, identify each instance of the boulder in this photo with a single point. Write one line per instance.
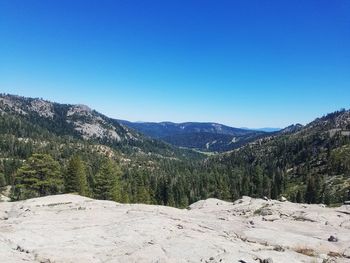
(333, 239)
(283, 199)
(346, 253)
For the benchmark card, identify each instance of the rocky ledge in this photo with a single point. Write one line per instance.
(71, 228)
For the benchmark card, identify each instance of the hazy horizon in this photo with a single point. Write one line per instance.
(243, 64)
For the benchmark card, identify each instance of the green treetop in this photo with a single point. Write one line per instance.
(75, 177)
(39, 176)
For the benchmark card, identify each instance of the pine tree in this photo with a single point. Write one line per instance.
(258, 182)
(267, 186)
(183, 201)
(124, 196)
(327, 196)
(75, 178)
(245, 185)
(171, 200)
(311, 191)
(39, 176)
(107, 182)
(319, 182)
(299, 197)
(2, 180)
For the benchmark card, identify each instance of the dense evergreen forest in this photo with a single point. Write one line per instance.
(201, 136)
(43, 155)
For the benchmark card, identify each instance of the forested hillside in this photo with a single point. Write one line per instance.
(202, 136)
(28, 118)
(311, 164)
(54, 148)
(54, 137)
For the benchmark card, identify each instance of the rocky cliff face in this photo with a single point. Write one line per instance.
(86, 122)
(35, 120)
(70, 228)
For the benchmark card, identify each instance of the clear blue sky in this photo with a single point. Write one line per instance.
(246, 63)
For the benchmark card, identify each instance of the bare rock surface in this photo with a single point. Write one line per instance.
(71, 228)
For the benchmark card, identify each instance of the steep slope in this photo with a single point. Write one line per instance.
(77, 122)
(291, 129)
(68, 228)
(34, 126)
(211, 137)
(310, 163)
(64, 119)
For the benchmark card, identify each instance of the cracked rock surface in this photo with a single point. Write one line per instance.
(71, 228)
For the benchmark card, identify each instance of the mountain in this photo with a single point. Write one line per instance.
(265, 129)
(212, 142)
(63, 119)
(165, 129)
(37, 117)
(308, 163)
(291, 129)
(203, 136)
(35, 133)
(268, 129)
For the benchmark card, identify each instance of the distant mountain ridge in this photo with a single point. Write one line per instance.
(164, 129)
(291, 128)
(264, 129)
(204, 136)
(74, 119)
(308, 163)
(79, 122)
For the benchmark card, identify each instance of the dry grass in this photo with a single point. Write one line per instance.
(335, 254)
(305, 251)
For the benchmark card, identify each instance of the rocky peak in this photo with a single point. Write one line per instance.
(11, 103)
(87, 122)
(336, 120)
(42, 107)
(79, 109)
(291, 128)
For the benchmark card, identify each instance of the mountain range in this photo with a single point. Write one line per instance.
(264, 129)
(203, 136)
(83, 122)
(308, 163)
(79, 122)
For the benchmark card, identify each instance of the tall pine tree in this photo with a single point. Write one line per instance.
(107, 182)
(75, 177)
(39, 176)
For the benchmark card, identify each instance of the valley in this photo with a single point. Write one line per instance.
(174, 131)
(303, 163)
(206, 137)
